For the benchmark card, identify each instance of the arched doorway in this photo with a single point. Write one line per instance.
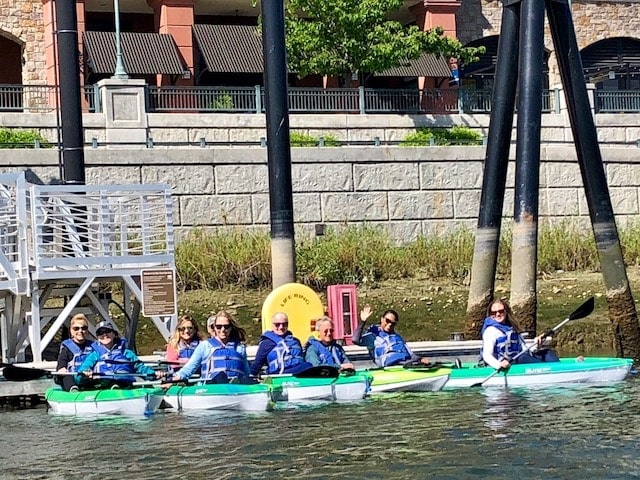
(480, 74)
(11, 71)
(613, 64)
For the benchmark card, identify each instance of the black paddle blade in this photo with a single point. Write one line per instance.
(22, 374)
(583, 310)
(319, 371)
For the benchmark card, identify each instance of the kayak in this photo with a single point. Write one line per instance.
(123, 401)
(343, 388)
(567, 370)
(220, 396)
(401, 379)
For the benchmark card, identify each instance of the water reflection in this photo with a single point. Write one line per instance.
(569, 433)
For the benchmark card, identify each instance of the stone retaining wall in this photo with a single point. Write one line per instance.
(410, 191)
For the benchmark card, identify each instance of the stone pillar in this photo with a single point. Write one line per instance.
(176, 18)
(437, 13)
(124, 109)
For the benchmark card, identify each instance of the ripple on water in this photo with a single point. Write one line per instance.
(570, 433)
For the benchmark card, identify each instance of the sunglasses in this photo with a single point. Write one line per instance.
(186, 329)
(75, 329)
(278, 325)
(330, 330)
(226, 326)
(391, 322)
(100, 333)
(497, 312)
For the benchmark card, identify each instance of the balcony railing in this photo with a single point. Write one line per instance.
(43, 98)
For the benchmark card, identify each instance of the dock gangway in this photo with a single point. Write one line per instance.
(66, 249)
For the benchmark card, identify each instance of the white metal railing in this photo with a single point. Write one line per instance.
(101, 227)
(14, 259)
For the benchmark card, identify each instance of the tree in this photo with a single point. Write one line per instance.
(343, 37)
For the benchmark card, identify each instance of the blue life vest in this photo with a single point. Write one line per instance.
(229, 358)
(117, 361)
(509, 344)
(79, 354)
(389, 349)
(286, 354)
(333, 357)
(187, 350)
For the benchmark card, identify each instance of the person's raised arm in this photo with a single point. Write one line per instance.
(359, 337)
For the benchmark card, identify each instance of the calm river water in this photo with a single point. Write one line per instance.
(582, 432)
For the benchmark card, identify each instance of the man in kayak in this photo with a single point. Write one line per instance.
(501, 339)
(279, 350)
(386, 347)
(322, 349)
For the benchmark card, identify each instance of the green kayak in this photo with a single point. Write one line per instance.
(220, 396)
(125, 401)
(345, 387)
(567, 370)
(406, 379)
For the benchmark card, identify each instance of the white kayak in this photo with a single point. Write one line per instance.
(220, 396)
(567, 370)
(125, 401)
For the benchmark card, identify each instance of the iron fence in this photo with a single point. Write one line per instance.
(44, 98)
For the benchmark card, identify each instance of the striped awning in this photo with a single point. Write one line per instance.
(427, 65)
(230, 48)
(142, 53)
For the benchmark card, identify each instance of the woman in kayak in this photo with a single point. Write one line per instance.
(501, 339)
(386, 347)
(183, 341)
(279, 349)
(322, 349)
(110, 362)
(223, 357)
(73, 351)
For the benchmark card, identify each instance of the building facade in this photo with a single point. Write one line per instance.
(607, 33)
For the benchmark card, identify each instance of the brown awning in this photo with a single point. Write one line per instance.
(427, 65)
(142, 53)
(230, 48)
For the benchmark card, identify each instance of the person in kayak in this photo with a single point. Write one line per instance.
(279, 350)
(73, 351)
(183, 341)
(501, 339)
(223, 357)
(322, 349)
(386, 347)
(111, 359)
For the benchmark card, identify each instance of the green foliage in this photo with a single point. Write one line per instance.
(21, 139)
(456, 135)
(367, 255)
(299, 139)
(224, 101)
(232, 257)
(354, 255)
(341, 37)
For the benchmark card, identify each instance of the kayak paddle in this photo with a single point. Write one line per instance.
(582, 311)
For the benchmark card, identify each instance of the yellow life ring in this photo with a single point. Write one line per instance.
(299, 302)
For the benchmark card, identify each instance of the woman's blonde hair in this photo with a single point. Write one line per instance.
(79, 317)
(237, 333)
(175, 339)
